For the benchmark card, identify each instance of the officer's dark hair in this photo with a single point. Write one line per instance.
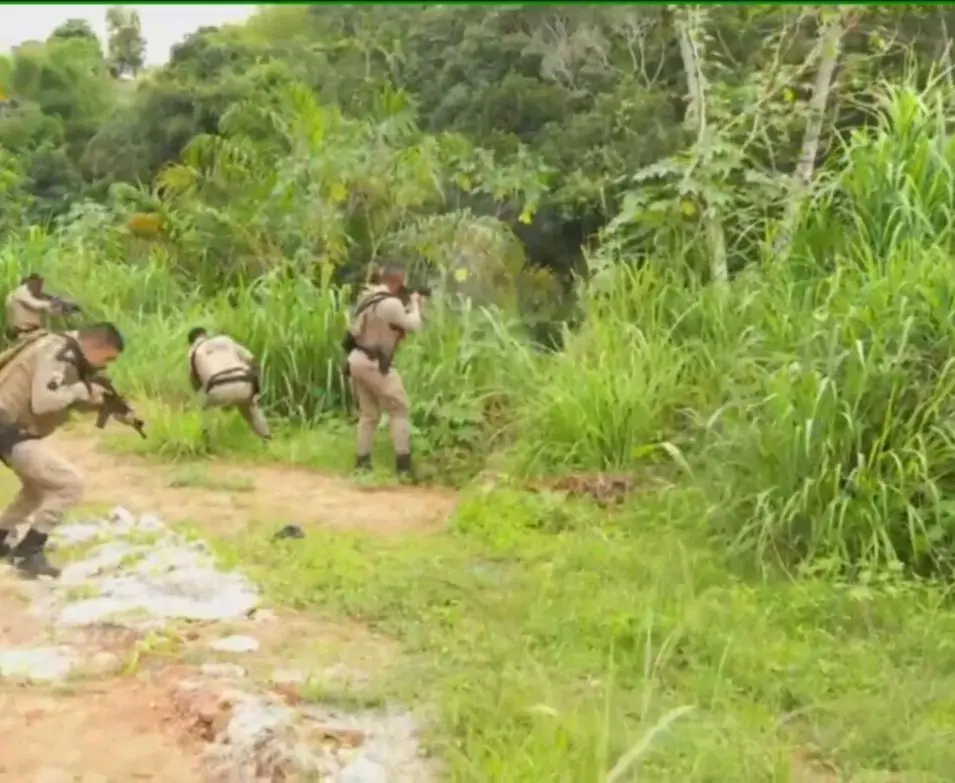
(392, 269)
(195, 334)
(105, 333)
(32, 277)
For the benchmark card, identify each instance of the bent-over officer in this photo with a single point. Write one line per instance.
(226, 374)
(379, 324)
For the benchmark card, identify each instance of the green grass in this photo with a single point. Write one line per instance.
(181, 433)
(552, 638)
(196, 477)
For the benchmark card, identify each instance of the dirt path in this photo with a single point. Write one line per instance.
(121, 714)
(117, 731)
(226, 498)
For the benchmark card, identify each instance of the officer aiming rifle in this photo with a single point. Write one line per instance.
(386, 313)
(28, 304)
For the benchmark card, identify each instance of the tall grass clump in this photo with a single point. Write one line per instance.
(811, 401)
(843, 447)
(627, 389)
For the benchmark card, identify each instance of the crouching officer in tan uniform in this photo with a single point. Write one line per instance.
(226, 374)
(26, 307)
(379, 324)
(42, 378)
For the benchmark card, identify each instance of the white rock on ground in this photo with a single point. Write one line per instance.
(142, 575)
(362, 770)
(145, 585)
(226, 670)
(38, 663)
(235, 644)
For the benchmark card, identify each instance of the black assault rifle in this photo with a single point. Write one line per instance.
(420, 290)
(64, 306)
(115, 406)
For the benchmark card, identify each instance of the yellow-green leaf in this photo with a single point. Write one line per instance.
(526, 217)
(688, 208)
(460, 275)
(337, 193)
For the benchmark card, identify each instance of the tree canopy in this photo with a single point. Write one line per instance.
(524, 133)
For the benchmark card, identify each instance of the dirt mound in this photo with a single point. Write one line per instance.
(606, 489)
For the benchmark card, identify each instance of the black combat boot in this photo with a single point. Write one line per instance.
(403, 466)
(29, 558)
(363, 463)
(5, 548)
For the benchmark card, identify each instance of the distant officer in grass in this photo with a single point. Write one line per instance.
(226, 375)
(379, 324)
(28, 304)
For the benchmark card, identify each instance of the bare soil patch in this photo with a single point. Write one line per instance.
(227, 498)
(109, 732)
(94, 731)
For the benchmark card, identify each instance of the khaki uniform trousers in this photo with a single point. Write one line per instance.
(49, 486)
(239, 395)
(377, 394)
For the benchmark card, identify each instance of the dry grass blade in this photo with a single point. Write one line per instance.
(632, 757)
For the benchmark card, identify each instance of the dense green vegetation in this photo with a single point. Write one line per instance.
(711, 248)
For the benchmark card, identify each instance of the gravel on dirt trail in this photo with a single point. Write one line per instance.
(138, 574)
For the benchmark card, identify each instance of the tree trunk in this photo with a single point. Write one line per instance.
(689, 29)
(829, 44)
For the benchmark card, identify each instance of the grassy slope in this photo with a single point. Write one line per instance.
(555, 636)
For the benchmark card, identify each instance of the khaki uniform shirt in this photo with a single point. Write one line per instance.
(210, 356)
(25, 311)
(39, 386)
(382, 326)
